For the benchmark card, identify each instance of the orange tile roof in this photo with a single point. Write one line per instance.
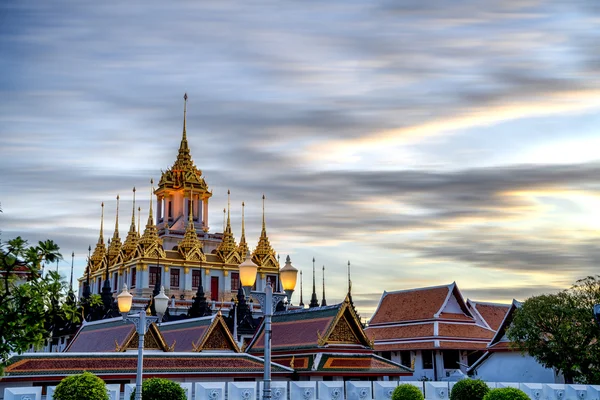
(493, 314)
(410, 305)
(467, 331)
(501, 346)
(455, 316)
(401, 332)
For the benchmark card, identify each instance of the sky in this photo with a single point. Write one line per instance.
(424, 141)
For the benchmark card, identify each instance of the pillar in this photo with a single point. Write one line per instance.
(166, 281)
(187, 279)
(159, 209)
(205, 212)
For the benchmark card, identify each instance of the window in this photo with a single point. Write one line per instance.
(235, 281)
(273, 280)
(387, 355)
(195, 278)
(154, 275)
(451, 359)
(115, 281)
(170, 210)
(405, 358)
(99, 285)
(427, 356)
(174, 278)
(133, 276)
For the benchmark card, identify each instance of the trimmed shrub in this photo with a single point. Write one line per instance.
(469, 389)
(83, 386)
(161, 389)
(506, 394)
(407, 392)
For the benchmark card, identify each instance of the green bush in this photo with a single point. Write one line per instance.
(506, 394)
(161, 389)
(469, 389)
(83, 386)
(407, 392)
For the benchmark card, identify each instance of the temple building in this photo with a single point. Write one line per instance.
(177, 248)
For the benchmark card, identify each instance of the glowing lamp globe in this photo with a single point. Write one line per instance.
(248, 272)
(161, 301)
(289, 276)
(124, 300)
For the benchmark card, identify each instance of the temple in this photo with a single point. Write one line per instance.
(177, 248)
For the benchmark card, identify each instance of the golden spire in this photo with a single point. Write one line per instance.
(150, 237)
(139, 219)
(100, 250)
(190, 240)
(115, 244)
(243, 247)
(228, 244)
(264, 255)
(132, 236)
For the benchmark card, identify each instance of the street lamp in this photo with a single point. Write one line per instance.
(142, 322)
(267, 300)
(288, 275)
(248, 274)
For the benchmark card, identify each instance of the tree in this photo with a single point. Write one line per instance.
(83, 386)
(559, 331)
(29, 309)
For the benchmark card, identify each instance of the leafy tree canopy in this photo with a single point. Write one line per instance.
(559, 330)
(31, 305)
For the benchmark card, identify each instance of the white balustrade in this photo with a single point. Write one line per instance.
(303, 390)
(187, 388)
(501, 385)
(359, 390)
(241, 390)
(210, 391)
(382, 390)
(331, 390)
(114, 391)
(50, 392)
(577, 392)
(278, 390)
(552, 391)
(593, 392)
(436, 391)
(129, 388)
(533, 390)
(23, 393)
(492, 385)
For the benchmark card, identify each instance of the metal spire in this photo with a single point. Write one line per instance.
(72, 261)
(301, 301)
(133, 213)
(323, 301)
(314, 302)
(139, 219)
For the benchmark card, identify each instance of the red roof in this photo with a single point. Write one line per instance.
(410, 305)
(401, 332)
(467, 331)
(493, 314)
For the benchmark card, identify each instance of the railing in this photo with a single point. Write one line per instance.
(326, 390)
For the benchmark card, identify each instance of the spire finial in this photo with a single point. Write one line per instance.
(133, 213)
(101, 239)
(228, 206)
(314, 302)
(184, 138)
(150, 217)
(301, 301)
(243, 226)
(224, 219)
(72, 261)
(116, 234)
(139, 219)
(263, 214)
(323, 301)
(349, 281)
(88, 264)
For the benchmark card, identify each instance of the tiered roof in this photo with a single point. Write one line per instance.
(198, 334)
(426, 318)
(322, 341)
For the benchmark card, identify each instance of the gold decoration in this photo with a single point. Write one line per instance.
(264, 256)
(243, 246)
(225, 273)
(343, 333)
(190, 247)
(186, 270)
(166, 268)
(133, 236)
(97, 258)
(206, 271)
(292, 362)
(227, 250)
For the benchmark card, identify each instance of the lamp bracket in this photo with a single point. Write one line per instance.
(261, 297)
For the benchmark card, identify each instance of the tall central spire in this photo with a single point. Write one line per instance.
(183, 147)
(314, 302)
(323, 301)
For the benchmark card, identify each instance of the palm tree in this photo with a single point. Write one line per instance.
(48, 252)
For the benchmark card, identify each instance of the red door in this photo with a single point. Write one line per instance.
(214, 288)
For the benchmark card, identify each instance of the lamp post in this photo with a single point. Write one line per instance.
(266, 299)
(142, 322)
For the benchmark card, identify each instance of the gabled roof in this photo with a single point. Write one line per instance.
(313, 328)
(113, 335)
(420, 304)
(55, 366)
(492, 314)
(198, 334)
(499, 337)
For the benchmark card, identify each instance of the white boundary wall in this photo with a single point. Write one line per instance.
(351, 390)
